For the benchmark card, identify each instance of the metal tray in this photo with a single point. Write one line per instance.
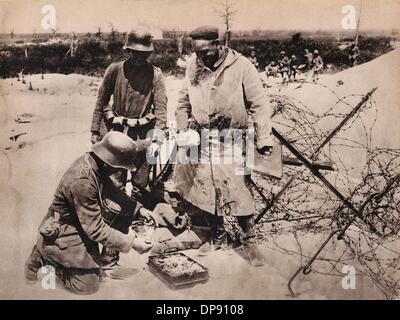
(179, 281)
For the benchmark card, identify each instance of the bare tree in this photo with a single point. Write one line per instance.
(54, 32)
(226, 10)
(113, 31)
(98, 33)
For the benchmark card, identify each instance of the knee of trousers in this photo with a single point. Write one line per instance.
(82, 282)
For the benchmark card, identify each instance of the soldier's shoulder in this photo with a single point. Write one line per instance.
(116, 65)
(243, 61)
(81, 168)
(78, 170)
(119, 62)
(157, 72)
(84, 180)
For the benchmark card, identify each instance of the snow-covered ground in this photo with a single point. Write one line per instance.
(54, 120)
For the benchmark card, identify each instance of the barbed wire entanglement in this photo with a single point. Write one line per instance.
(367, 175)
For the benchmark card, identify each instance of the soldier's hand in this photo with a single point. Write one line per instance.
(265, 151)
(95, 137)
(142, 246)
(145, 214)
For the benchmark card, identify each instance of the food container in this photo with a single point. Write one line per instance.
(177, 270)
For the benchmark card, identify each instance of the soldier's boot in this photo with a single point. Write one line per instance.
(111, 268)
(219, 235)
(249, 241)
(32, 265)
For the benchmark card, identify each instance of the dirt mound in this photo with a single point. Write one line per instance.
(382, 73)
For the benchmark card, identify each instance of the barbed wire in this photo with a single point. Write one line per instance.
(361, 170)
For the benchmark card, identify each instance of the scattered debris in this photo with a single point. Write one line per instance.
(16, 136)
(19, 120)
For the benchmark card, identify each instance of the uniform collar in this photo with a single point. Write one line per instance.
(93, 164)
(226, 57)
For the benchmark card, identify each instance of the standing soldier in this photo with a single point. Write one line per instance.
(74, 227)
(271, 69)
(354, 53)
(220, 89)
(308, 56)
(139, 105)
(139, 98)
(253, 59)
(293, 65)
(317, 64)
(283, 64)
(73, 48)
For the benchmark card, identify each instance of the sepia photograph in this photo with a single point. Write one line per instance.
(200, 150)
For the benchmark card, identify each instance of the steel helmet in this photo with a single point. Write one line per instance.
(316, 51)
(118, 150)
(139, 39)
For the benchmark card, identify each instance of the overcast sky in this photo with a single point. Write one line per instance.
(24, 16)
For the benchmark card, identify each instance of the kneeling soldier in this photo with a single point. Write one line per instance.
(73, 227)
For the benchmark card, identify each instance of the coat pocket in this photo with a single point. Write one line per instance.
(69, 237)
(68, 241)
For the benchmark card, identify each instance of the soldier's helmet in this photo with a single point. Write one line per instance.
(316, 51)
(118, 150)
(139, 39)
(283, 53)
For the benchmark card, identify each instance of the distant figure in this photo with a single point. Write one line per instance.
(308, 56)
(293, 65)
(253, 59)
(317, 65)
(185, 48)
(353, 54)
(271, 69)
(183, 60)
(283, 65)
(74, 45)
